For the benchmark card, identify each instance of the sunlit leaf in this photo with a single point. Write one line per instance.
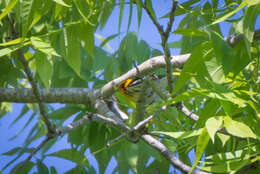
(191, 66)
(180, 135)
(191, 32)
(224, 138)
(44, 68)
(252, 2)
(238, 129)
(10, 49)
(200, 148)
(212, 125)
(43, 46)
(231, 13)
(8, 8)
(61, 2)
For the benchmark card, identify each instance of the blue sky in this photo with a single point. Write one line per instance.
(147, 32)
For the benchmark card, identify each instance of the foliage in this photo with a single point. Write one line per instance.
(219, 83)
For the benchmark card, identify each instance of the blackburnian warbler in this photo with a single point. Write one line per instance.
(131, 89)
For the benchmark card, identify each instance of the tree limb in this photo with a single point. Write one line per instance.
(164, 38)
(22, 164)
(33, 83)
(168, 154)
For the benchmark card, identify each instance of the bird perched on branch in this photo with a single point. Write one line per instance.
(131, 88)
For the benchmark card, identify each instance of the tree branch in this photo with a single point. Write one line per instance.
(164, 38)
(33, 82)
(168, 154)
(143, 69)
(55, 95)
(22, 164)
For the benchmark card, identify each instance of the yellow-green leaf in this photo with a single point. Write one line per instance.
(212, 125)
(238, 129)
(225, 17)
(200, 148)
(43, 46)
(44, 68)
(8, 8)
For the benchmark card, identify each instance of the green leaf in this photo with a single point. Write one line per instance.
(43, 46)
(44, 68)
(53, 170)
(86, 35)
(8, 8)
(132, 155)
(101, 60)
(209, 110)
(149, 6)
(226, 167)
(25, 169)
(228, 15)
(222, 51)
(28, 10)
(212, 125)
(71, 155)
(249, 19)
(42, 8)
(171, 145)
(191, 66)
(61, 2)
(64, 112)
(200, 148)
(14, 42)
(252, 2)
(238, 129)
(176, 44)
(183, 8)
(71, 49)
(215, 70)
(143, 51)
(191, 32)
(42, 168)
(10, 49)
(12, 151)
(139, 11)
(180, 135)
(130, 15)
(105, 41)
(120, 14)
(224, 138)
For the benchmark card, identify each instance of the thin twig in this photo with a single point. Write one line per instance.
(141, 101)
(33, 83)
(148, 119)
(154, 143)
(188, 113)
(22, 164)
(115, 140)
(164, 37)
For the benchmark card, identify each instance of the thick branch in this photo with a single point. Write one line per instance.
(55, 95)
(143, 69)
(88, 118)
